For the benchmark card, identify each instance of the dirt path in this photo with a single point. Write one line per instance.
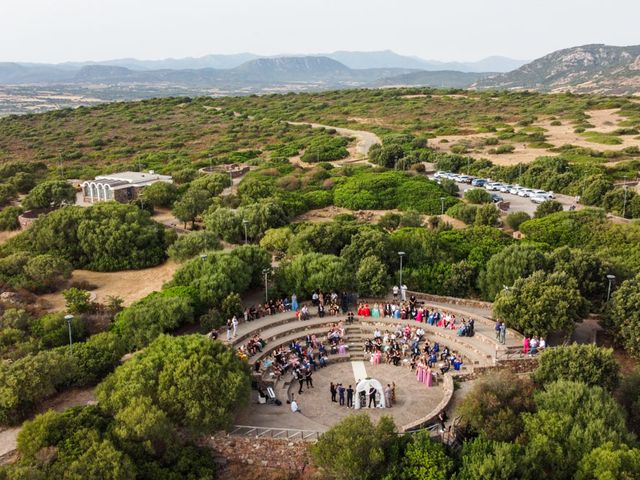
(130, 285)
(358, 154)
(4, 236)
(59, 403)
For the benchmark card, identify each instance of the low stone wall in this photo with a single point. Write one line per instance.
(518, 366)
(466, 302)
(285, 455)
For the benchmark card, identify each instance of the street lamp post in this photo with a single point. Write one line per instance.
(266, 272)
(401, 254)
(611, 278)
(69, 318)
(442, 199)
(244, 224)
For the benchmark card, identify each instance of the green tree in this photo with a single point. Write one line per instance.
(160, 194)
(262, 216)
(9, 218)
(389, 221)
(547, 208)
(51, 330)
(191, 205)
(487, 214)
(101, 460)
(464, 212)
(303, 274)
(425, 459)
(214, 183)
(48, 271)
(571, 420)
(50, 194)
(231, 305)
(512, 263)
(226, 224)
(515, 219)
(183, 377)
(629, 397)
(277, 241)
(609, 462)
(624, 315)
(371, 277)
(192, 244)
(484, 459)
(387, 155)
(356, 449)
(588, 269)
(540, 304)
(367, 243)
(77, 300)
(493, 407)
(588, 364)
(478, 195)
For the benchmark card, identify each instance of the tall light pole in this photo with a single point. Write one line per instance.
(442, 199)
(244, 224)
(266, 273)
(624, 203)
(401, 254)
(611, 278)
(69, 318)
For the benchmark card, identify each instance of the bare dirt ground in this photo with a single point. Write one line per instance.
(130, 285)
(67, 399)
(604, 121)
(4, 236)
(371, 216)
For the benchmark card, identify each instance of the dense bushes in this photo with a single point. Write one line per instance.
(478, 195)
(540, 304)
(50, 194)
(390, 190)
(188, 246)
(306, 273)
(624, 315)
(326, 148)
(39, 273)
(104, 237)
(587, 364)
(9, 218)
(182, 376)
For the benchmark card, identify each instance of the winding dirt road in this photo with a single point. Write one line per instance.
(358, 154)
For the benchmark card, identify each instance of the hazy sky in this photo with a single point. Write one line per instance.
(62, 30)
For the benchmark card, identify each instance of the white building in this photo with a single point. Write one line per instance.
(121, 187)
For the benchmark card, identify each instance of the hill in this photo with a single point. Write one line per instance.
(585, 69)
(437, 79)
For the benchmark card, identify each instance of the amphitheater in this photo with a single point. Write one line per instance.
(416, 405)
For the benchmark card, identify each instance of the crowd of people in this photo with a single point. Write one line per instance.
(533, 345)
(419, 313)
(344, 397)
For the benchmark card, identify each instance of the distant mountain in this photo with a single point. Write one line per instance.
(585, 69)
(438, 79)
(389, 59)
(188, 63)
(291, 69)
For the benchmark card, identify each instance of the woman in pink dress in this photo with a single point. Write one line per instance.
(420, 371)
(428, 377)
(525, 345)
(419, 315)
(452, 323)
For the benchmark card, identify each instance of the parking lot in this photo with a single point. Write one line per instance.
(516, 202)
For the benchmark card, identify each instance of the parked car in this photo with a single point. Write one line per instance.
(496, 198)
(505, 188)
(439, 174)
(514, 189)
(539, 199)
(525, 192)
(466, 179)
(478, 182)
(495, 186)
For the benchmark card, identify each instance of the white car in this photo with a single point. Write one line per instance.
(505, 188)
(525, 192)
(496, 186)
(538, 199)
(515, 189)
(439, 174)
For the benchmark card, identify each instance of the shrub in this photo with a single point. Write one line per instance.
(624, 315)
(160, 194)
(515, 219)
(51, 330)
(192, 244)
(9, 218)
(487, 215)
(50, 194)
(77, 301)
(547, 208)
(588, 364)
(463, 212)
(48, 271)
(493, 407)
(182, 377)
(356, 449)
(541, 303)
(371, 277)
(478, 195)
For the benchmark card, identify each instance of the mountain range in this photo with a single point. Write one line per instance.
(32, 87)
(585, 69)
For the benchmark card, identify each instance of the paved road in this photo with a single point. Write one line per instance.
(520, 204)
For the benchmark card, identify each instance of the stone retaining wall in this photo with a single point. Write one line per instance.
(517, 366)
(285, 455)
(466, 302)
(444, 403)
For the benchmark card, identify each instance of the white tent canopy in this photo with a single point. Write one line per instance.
(364, 386)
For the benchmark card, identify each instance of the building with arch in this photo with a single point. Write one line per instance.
(121, 187)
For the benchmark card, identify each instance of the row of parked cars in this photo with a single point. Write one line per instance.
(536, 195)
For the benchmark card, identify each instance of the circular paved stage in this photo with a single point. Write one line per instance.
(414, 400)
